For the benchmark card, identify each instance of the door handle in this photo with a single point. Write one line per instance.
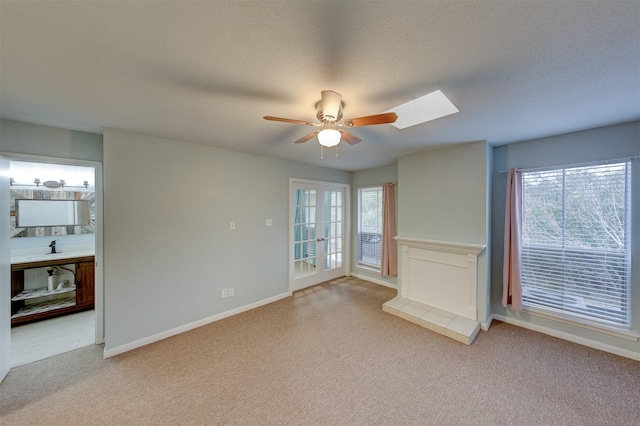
(319, 239)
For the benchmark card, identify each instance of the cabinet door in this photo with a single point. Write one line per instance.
(85, 284)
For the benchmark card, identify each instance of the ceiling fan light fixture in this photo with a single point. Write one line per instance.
(329, 137)
(331, 105)
(329, 114)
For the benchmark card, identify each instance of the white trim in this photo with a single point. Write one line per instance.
(570, 337)
(446, 246)
(373, 185)
(318, 182)
(346, 242)
(584, 323)
(184, 328)
(98, 255)
(374, 280)
(5, 274)
(485, 325)
(98, 264)
(575, 165)
(367, 268)
(432, 272)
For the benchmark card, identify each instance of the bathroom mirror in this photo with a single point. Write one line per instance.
(31, 213)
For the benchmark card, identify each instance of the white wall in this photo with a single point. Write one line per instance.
(44, 141)
(55, 145)
(369, 177)
(168, 247)
(605, 143)
(32, 139)
(444, 196)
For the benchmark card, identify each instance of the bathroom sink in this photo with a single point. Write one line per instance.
(55, 256)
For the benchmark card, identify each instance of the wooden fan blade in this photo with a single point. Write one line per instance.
(307, 137)
(386, 118)
(286, 120)
(349, 138)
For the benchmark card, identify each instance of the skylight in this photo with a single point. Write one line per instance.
(425, 108)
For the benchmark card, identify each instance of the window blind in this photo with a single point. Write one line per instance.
(576, 252)
(369, 202)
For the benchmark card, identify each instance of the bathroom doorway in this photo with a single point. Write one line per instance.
(56, 271)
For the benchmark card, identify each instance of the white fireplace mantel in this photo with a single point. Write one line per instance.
(446, 246)
(441, 274)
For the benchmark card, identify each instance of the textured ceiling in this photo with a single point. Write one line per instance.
(206, 72)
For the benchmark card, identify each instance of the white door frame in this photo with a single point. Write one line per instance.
(99, 261)
(5, 275)
(346, 232)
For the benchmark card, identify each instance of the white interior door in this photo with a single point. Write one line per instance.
(5, 276)
(318, 232)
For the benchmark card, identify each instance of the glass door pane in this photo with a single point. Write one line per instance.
(333, 225)
(317, 226)
(304, 233)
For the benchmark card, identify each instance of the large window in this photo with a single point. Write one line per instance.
(369, 226)
(576, 242)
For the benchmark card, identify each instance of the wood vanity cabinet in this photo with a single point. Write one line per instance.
(74, 298)
(84, 285)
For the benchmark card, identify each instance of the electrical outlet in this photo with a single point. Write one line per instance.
(232, 225)
(231, 292)
(269, 222)
(224, 293)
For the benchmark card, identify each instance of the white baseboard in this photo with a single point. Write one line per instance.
(570, 337)
(373, 280)
(178, 330)
(485, 326)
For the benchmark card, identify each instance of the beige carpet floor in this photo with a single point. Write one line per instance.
(329, 355)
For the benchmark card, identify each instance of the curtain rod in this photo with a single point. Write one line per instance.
(614, 160)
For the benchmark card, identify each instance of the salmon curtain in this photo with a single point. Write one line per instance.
(389, 261)
(512, 269)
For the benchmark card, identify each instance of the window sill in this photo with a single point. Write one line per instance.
(622, 333)
(370, 268)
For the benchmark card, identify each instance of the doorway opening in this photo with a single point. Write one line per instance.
(318, 232)
(56, 286)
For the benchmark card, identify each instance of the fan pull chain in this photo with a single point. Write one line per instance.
(322, 152)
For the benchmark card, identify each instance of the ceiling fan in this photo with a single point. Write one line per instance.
(330, 130)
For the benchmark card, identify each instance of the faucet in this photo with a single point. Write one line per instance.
(53, 247)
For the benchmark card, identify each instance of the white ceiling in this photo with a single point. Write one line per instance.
(208, 71)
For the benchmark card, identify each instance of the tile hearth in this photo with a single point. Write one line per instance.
(449, 324)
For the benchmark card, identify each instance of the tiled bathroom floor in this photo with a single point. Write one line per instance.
(42, 339)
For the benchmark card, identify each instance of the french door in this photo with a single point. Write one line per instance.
(318, 232)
